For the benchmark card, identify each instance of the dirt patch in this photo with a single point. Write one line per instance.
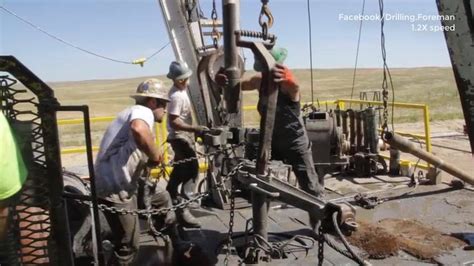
(375, 240)
(388, 236)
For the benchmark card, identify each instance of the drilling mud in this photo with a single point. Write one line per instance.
(388, 236)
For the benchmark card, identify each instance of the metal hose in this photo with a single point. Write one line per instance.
(354, 256)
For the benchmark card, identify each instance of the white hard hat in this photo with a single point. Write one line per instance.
(153, 88)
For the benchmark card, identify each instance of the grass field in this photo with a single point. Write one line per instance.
(433, 86)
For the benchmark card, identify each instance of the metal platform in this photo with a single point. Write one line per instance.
(447, 209)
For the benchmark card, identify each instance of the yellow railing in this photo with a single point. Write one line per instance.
(426, 117)
(426, 120)
(162, 132)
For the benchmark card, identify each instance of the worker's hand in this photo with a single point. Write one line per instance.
(155, 162)
(283, 76)
(221, 78)
(199, 130)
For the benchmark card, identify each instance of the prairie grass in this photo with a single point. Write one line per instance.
(434, 86)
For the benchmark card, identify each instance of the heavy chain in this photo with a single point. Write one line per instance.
(385, 71)
(215, 35)
(190, 159)
(182, 205)
(320, 245)
(231, 224)
(265, 12)
(151, 212)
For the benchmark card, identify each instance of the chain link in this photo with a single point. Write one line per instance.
(231, 223)
(151, 212)
(320, 245)
(385, 71)
(190, 159)
(215, 35)
(267, 23)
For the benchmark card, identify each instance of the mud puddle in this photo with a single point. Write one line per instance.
(387, 237)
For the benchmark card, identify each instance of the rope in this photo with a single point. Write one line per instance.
(139, 61)
(357, 52)
(310, 50)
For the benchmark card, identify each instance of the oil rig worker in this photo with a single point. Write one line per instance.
(13, 173)
(127, 150)
(290, 142)
(181, 136)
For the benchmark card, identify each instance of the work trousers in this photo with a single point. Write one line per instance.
(182, 172)
(126, 228)
(300, 157)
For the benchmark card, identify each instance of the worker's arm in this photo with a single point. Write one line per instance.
(249, 84)
(144, 139)
(178, 124)
(284, 77)
(252, 83)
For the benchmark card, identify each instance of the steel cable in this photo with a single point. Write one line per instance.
(357, 52)
(311, 51)
(138, 61)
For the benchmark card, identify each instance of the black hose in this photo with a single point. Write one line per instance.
(354, 256)
(334, 246)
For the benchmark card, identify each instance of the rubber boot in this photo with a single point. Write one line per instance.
(186, 219)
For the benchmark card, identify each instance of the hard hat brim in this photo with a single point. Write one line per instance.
(182, 76)
(151, 95)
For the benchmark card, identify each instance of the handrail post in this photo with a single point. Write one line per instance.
(426, 115)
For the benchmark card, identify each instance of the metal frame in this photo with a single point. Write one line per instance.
(461, 50)
(48, 176)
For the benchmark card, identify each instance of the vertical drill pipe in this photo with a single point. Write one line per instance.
(365, 126)
(359, 133)
(352, 130)
(232, 91)
(260, 214)
(371, 133)
(337, 112)
(406, 146)
(344, 124)
(394, 167)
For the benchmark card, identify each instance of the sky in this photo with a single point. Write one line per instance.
(130, 29)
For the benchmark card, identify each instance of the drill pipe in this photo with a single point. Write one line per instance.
(406, 146)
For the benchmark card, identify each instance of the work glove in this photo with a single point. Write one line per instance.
(283, 76)
(200, 130)
(153, 163)
(221, 78)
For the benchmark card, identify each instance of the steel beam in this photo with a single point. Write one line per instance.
(460, 41)
(181, 38)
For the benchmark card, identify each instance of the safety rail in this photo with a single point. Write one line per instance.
(162, 132)
(426, 120)
(426, 117)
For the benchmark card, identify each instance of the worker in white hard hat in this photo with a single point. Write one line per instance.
(182, 139)
(127, 150)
